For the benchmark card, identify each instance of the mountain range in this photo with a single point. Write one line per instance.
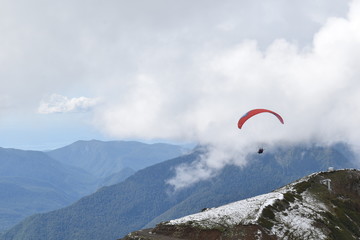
(32, 182)
(145, 199)
(321, 206)
(104, 159)
(37, 182)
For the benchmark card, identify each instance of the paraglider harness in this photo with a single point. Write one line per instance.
(260, 151)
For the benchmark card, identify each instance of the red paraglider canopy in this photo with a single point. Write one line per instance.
(253, 112)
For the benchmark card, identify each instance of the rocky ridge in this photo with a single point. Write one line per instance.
(324, 205)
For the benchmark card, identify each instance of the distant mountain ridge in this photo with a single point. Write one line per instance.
(144, 199)
(32, 182)
(35, 182)
(322, 206)
(103, 159)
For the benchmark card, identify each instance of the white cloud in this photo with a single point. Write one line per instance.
(58, 47)
(57, 103)
(315, 89)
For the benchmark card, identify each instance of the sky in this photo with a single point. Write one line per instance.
(179, 72)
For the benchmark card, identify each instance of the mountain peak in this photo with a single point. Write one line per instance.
(323, 205)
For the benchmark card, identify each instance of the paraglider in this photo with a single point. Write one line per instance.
(254, 112)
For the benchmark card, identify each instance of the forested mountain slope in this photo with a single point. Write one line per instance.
(32, 182)
(103, 159)
(145, 198)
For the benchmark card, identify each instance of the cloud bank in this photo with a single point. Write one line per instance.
(90, 45)
(316, 89)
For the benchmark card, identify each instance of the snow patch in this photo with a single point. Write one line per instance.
(242, 212)
(298, 219)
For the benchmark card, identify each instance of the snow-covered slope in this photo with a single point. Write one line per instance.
(247, 211)
(320, 206)
(298, 218)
